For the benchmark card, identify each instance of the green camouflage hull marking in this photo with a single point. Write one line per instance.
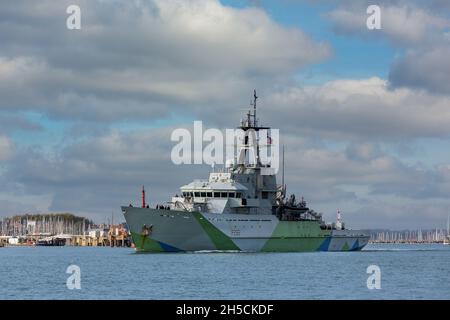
(296, 236)
(293, 244)
(220, 240)
(145, 243)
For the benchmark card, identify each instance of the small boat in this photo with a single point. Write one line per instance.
(51, 242)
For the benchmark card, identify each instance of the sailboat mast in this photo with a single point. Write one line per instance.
(282, 176)
(448, 225)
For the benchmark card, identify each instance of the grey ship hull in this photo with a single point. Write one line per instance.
(159, 230)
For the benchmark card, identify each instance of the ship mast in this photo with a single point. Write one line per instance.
(250, 127)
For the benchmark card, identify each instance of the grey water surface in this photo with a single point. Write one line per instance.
(419, 271)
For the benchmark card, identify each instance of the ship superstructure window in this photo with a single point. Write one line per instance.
(265, 195)
(215, 194)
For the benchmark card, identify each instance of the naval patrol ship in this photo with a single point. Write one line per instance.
(240, 208)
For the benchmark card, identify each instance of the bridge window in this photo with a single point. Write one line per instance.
(224, 195)
(265, 195)
(238, 194)
(197, 194)
(216, 194)
(209, 194)
(203, 194)
(231, 194)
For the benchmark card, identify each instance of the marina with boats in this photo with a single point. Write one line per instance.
(61, 230)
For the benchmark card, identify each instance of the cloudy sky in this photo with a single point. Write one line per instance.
(86, 115)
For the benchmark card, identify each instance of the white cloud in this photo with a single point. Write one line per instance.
(360, 109)
(20, 203)
(424, 69)
(6, 148)
(137, 59)
(421, 28)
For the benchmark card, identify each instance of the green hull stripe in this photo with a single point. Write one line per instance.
(288, 237)
(146, 244)
(293, 244)
(220, 240)
(345, 247)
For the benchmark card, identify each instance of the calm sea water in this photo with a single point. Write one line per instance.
(407, 272)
